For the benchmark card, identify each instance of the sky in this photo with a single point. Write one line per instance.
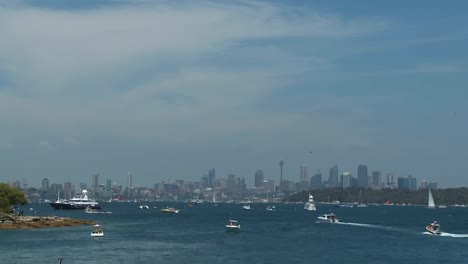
(170, 89)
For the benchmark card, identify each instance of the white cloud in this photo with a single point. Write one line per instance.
(132, 69)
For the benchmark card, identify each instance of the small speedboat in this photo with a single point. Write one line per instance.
(246, 207)
(328, 218)
(97, 231)
(143, 206)
(171, 210)
(433, 228)
(271, 208)
(233, 226)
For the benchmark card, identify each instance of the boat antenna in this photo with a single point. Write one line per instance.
(60, 260)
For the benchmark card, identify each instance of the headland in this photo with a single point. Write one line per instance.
(12, 221)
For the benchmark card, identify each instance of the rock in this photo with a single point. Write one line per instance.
(17, 222)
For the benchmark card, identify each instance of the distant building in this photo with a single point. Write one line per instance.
(433, 185)
(67, 190)
(407, 183)
(83, 186)
(45, 185)
(130, 180)
(211, 178)
(108, 185)
(333, 177)
(269, 185)
(95, 181)
(259, 179)
(231, 183)
(204, 181)
(376, 180)
(346, 179)
(316, 181)
(423, 185)
(363, 176)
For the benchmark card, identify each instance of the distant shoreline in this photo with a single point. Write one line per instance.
(11, 221)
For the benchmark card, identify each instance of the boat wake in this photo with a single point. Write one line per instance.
(444, 234)
(372, 226)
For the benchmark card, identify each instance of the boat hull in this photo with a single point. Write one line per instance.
(71, 206)
(232, 229)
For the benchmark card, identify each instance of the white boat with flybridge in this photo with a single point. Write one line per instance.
(247, 207)
(97, 231)
(233, 225)
(328, 218)
(433, 228)
(76, 203)
(310, 205)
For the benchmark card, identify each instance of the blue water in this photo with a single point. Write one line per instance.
(376, 234)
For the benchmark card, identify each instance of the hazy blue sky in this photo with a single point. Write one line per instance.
(170, 89)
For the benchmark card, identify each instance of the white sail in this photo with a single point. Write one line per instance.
(430, 203)
(310, 205)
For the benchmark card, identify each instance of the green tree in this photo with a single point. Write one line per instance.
(10, 196)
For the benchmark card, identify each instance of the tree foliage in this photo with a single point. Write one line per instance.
(10, 196)
(449, 196)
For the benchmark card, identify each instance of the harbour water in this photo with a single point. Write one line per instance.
(375, 234)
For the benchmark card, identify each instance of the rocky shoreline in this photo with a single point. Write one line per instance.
(11, 221)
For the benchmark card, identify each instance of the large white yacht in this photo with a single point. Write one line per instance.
(77, 203)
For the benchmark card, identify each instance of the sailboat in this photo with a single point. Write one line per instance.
(430, 202)
(214, 199)
(310, 205)
(233, 225)
(360, 203)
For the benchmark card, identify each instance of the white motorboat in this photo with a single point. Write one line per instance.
(143, 206)
(310, 205)
(430, 201)
(433, 228)
(97, 231)
(247, 207)
(328, 218)
(170, 210)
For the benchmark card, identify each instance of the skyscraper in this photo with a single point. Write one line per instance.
(316, 181)
(108, 185)
(304, 178)
(333, 177)
(259, 178)
(281, 183)
(363, 177)
(45, 184)
(130, 180)
(346, 178)
(376, 179)
(211, 177)
(95, 181)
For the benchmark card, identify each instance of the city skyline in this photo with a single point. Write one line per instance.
(168, 90)
(334, 178)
